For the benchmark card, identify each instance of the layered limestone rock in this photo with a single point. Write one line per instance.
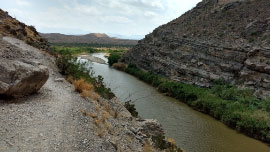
(210, 42)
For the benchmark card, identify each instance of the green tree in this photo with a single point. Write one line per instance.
(113, 58)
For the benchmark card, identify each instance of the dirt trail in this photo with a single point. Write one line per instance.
(50, 120)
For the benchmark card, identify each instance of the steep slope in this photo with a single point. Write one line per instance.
(58, 119)
(215, 40)
(9, 26)
(92, 38)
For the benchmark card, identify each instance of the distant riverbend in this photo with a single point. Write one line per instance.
(91, 58)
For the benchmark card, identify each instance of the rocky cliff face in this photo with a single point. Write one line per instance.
(215, 40)
(11, 27)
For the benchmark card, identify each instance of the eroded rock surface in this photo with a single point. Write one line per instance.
(18, 78)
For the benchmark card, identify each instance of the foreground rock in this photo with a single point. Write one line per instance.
(216, 40)
(19, 78)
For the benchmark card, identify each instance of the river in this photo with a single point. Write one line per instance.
(191, 130)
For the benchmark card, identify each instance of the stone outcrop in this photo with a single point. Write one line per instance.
(151, 127)
(227, 41)
(19, 78)
(21, 73)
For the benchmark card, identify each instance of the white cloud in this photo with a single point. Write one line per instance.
(123, 17)
(23, 3)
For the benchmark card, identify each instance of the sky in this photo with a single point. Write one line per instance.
(120, 18)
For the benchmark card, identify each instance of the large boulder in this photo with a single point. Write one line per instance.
(20, 78)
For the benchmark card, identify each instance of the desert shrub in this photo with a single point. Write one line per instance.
(113, 58)
(102, 89)
(68, 65)
(160, 142)
(119, 66)
(265, 104)
(81, 85)
(131, 108)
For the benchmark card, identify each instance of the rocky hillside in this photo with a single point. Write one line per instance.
(215, 40)
(57, 118)
(92, 38)
(9, 26)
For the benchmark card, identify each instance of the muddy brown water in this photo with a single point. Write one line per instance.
(191, 130)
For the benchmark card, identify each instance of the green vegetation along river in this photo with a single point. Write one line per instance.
(192, 130)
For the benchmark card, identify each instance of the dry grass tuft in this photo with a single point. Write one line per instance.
(85, 93)
(94, 96)
(85, 89)
(171, 141)
(81, 85)
(147, 148)
(106, 115)
(97, 108)
(93, 115)
(98, 122)
(70, 79)
(101, 132)
(108, 126)
(119, 66)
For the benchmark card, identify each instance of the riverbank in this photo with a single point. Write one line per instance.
(64, 117)
(94, 89)
(236, 108)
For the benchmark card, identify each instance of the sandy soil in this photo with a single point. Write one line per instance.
(92, 58)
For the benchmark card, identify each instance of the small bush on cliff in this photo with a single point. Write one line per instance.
(131, 108)
(102, 89)
(161, 143)
(113, 58)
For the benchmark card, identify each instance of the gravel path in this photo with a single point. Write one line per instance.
(50, 120)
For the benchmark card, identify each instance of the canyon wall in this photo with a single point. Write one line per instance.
(228, 41)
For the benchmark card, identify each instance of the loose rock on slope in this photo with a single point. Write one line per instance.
(19, 78)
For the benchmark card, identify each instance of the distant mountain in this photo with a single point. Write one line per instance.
(92, 38)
